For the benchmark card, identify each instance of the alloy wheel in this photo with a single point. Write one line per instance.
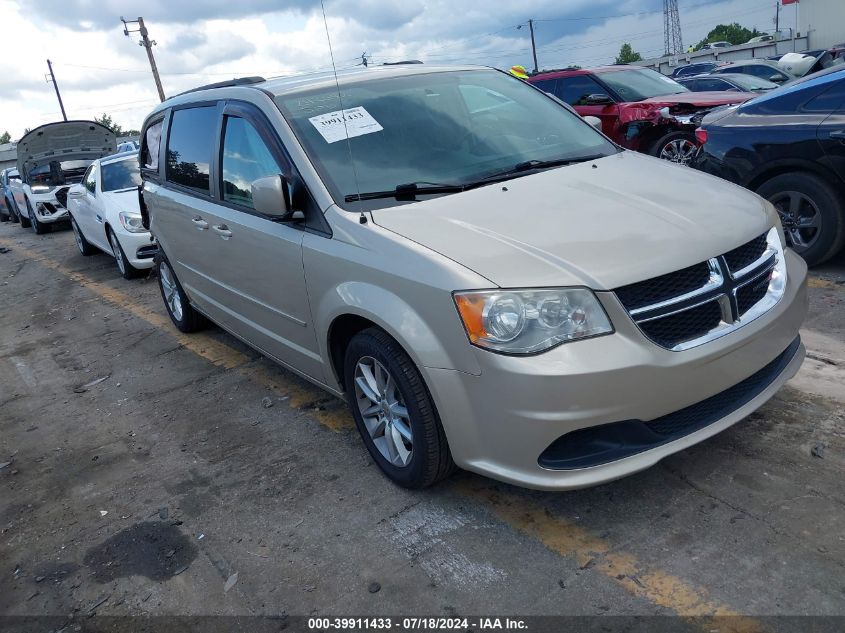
(171, 291)
(679, 150)
(118, 254)
(383, 410)
(800, 218)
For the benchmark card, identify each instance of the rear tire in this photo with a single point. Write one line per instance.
(127, 270)
(176, 301)
(676, 147)
(82, 244)
(402, 430)
(812, 213)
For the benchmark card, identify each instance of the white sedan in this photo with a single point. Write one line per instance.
(105, 214)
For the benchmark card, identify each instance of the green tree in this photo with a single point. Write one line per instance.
(108, 122)
(734, 33)
(5, 137)
(628, 55)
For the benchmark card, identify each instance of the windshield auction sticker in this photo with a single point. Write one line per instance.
(358, 122)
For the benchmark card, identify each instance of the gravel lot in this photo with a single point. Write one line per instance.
(148, 475)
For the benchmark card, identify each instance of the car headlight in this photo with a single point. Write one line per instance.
(131, 222)
(530, 321)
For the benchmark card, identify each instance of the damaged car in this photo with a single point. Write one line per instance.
(51, 158)
(640, 109)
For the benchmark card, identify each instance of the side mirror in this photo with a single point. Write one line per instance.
(271, 196)
(776, 79)
(598, 99)
(76, 191)
(594, 121)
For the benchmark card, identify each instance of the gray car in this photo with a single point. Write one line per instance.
(490, 282)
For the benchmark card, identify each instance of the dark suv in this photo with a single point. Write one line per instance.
(639, 108)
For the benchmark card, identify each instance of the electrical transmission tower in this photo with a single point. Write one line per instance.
(672, 28)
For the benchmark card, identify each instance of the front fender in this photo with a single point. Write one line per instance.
(441, 344)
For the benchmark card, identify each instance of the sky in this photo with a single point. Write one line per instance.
(99, 69)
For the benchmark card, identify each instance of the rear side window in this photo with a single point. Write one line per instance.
(829, 100)
(189, 147)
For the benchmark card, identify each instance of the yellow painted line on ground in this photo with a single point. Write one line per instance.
(519, 511)
(300, 393)
(563, 537)
(815, 282)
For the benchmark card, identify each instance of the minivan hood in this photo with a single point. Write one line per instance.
(66, 140)
(603, 224)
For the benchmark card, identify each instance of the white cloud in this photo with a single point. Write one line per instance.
(100, 70)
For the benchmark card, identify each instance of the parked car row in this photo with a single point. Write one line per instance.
(90, 187)
(491, 283)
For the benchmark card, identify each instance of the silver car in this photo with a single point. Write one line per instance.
(491, 283)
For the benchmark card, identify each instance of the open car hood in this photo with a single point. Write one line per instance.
(65, 140)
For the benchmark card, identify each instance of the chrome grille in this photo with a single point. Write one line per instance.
(688, 307)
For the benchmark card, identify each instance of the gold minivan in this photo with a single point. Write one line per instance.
(490, 282)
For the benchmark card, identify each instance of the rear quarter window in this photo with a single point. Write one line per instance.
(190, 147)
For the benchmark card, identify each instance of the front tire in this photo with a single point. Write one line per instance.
(176, 301)
(127, 270)
(676, 147)
(394, 412)
(24, 217)
(812, 214)
(82, 244)
(38, 227)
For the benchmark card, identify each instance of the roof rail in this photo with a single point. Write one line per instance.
(239, 81)
(403, 62)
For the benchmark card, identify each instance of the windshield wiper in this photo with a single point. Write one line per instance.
(407, 191)
(531, 165)
(410, 190)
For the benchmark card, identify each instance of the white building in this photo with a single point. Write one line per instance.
(823, 21)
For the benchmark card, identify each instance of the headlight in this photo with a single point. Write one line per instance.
(131, 222)
(530, 321)
(39, 189)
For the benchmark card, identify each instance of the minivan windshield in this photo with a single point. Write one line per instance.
(433, 134)
(640, 83)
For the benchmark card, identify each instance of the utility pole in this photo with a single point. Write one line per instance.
(147, 44)
(533, 46)
(777, 20)
(52, 78)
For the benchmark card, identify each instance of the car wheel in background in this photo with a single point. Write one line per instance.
(176, 301)
(38, 227)
(13, 212)
(24, 217)
(676, 147)
(81, 243)
(812, 214)
(394, 412)
(126, 269)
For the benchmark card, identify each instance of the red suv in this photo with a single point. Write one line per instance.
(639, 108)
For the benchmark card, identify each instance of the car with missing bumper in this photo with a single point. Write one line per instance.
(640, 109)
(488, 281)
(51, 158)
(105, 216)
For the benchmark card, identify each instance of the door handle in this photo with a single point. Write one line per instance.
(838, 134)
(222, 230)
(201, 224)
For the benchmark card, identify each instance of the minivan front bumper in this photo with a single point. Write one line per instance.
(500, 423)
